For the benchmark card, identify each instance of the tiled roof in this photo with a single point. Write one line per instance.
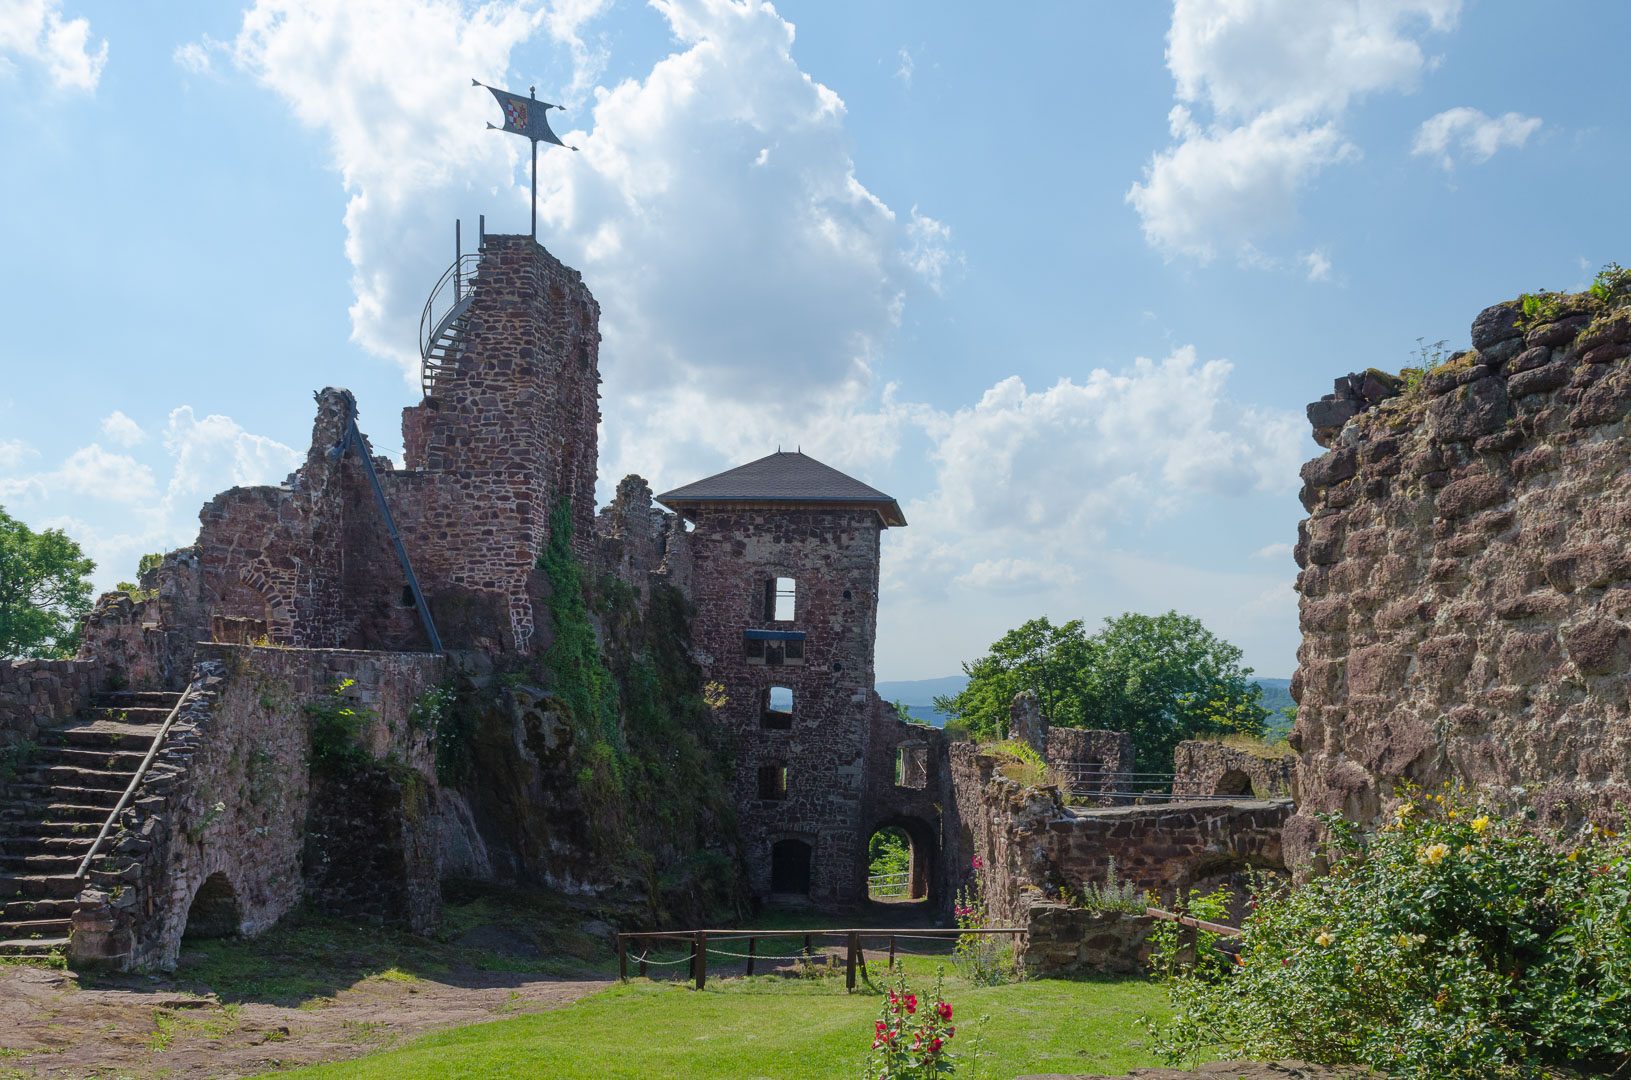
(784, 477)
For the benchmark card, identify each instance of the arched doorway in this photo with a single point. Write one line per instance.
(1235, 784)
(889, 865)
(214, 911)
(900, 860)
(790, 868)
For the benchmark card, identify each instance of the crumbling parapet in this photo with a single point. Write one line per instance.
(1466, 577)
(1208, 767)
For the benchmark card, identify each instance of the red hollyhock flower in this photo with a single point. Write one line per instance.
(944, 1009)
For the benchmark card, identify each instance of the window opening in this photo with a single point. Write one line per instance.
(773, 781)
(781, 596)
(778, 710)
(912, 766)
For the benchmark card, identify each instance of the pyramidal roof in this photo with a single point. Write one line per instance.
(789, 477)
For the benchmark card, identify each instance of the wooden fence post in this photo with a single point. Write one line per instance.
(849, 966)
(808, 955)
(622, 959)
(700, 949)
(752, 948)
(891, 952)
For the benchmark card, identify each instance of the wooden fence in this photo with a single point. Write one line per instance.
(704, 944)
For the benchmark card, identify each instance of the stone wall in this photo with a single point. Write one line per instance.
(1030, 845)
(1208, 767)
(1466, 576)
(509, 433)
(37, 694)
(1061, 940)
(832, 555)
(225, 836)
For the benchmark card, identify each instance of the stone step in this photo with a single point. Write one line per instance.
(113, 758)
(41, 947)
(35, 929)
(61, 810)
(125, 699)
(36, 794)
(38, 886)
(47, 865)
(47, 845)
(72, 776)
(35, 829)
(104, 735)
(135, 714)
(44, 908)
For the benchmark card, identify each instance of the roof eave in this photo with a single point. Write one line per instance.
(888, 510)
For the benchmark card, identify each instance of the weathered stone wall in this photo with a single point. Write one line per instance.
(1030, 845)
(1466, 576)
(37, 694)
(832, 555)
(227, 811)
(1208, 767)
(1062, 940)
(510, 433)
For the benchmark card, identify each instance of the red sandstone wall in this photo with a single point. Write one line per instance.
(829, 553)
(1466, 577)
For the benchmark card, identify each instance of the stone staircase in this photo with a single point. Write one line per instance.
(51, 812)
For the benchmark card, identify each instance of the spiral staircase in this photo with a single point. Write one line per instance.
(445, 321)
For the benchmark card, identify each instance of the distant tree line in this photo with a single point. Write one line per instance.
(1160, 678)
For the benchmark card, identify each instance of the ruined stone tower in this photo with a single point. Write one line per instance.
(784, 557)
(506, 433)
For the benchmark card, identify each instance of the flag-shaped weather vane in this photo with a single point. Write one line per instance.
(530, 117)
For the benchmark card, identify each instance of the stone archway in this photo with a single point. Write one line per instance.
(923, 845)
(1235, 784)
(214, 912)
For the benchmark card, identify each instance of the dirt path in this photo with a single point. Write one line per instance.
(50, 1026)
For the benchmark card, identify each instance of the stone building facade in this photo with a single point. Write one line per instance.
(783, 563)
(1466, 576)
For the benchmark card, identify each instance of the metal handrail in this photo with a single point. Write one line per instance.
(135, 782)
(447, 298)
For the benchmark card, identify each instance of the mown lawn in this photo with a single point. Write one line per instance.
(778, 1027)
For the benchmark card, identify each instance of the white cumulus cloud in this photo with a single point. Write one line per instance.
(1262, 88)
(121, 429)
(1473, 134)
(36, 32)
(715, 210)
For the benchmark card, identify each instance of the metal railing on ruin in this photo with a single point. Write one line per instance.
(695, 950)
(889, 886)
(1088, 782)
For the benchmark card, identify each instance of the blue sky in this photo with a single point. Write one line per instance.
(1060, 279)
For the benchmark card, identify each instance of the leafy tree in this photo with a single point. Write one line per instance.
(1161, 678)
(1038, 656)
(44, 590)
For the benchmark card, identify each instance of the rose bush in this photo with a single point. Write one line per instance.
(1452, 943)
(909, 1038)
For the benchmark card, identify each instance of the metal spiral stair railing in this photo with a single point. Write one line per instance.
(444, 322)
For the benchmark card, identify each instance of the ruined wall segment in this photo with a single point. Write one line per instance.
(509, 434)
(233, 809)
(1466, 575)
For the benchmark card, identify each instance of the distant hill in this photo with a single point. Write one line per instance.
(918, 696)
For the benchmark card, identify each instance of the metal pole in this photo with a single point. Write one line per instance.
(481, 231)
(458, 256)
(535, 190)
(353, 438)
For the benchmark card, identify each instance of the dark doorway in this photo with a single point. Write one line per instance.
(790, 868)
(214, 912)
(1235, 784)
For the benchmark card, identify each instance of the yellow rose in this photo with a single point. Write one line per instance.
(1432, 854)
(1324, 938)
(1479, 824)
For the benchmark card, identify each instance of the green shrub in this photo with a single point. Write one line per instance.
(1450, 945)
(1113, 894)
(336, 729)
(1612, 285)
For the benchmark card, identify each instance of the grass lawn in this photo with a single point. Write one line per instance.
(779, 1027)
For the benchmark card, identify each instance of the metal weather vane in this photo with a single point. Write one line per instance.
(530, 117)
